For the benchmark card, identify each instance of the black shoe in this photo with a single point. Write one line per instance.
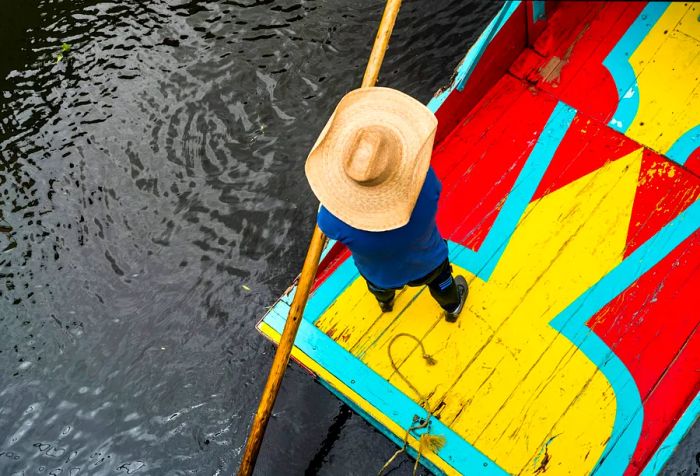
(463, 289)
(387, 306)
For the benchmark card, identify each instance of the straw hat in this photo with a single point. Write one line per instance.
(370, 161)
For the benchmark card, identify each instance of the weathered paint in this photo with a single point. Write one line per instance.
(662, 455)
(684, 146)
(620, 65)
(578, 349)
(669, 54)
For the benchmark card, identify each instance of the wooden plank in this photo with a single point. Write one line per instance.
(668, 55)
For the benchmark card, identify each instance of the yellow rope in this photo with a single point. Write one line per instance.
(427, 441)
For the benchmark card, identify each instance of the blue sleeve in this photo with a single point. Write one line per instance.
(327, 224)
(434, 181)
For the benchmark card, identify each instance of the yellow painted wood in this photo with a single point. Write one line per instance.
(420, 315)
(511, 382)
(366, 312)
(369, 329)
(690, 23)
(539, 274)
(666, 65)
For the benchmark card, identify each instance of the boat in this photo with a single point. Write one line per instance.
(568, 148)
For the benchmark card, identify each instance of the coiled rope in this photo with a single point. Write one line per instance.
(427, 442)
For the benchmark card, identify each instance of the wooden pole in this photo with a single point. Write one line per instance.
(279, 363)
(381, 41)
(308, 273)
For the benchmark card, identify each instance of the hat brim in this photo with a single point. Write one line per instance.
(389, 204)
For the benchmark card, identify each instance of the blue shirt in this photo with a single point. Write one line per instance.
(390, 259)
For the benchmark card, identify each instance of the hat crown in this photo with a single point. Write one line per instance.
(372, 157)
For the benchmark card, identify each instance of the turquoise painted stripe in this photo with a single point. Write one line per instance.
(320, 300)
(617, 62)
(572, 324)
(538, 12)
(336, 283)
(381, 394)
(484, 261)
(466, 67)
(684, 146)
(669, 445)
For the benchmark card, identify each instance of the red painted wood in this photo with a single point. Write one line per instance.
(565, 25)
(527, 65)
(661, 406)
(586, 147)
(580, 35)
(481, 160)
(335, 257)
(665, 189)
(535, 28)
(693, 162)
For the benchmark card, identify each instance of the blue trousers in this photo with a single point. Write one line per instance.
(439, 281)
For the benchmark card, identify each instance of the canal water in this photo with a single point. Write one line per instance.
(153, 203)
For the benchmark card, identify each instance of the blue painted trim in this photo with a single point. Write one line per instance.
(617, 62)
(338, 282)
(664, 452)
(572, 323)
(319, 301)
(684, 146)
(484, 261)
(466, 67)
(538, 12)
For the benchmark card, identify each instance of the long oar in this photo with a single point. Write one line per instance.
(308, 273)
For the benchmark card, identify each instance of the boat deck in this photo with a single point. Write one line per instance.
(569, 204)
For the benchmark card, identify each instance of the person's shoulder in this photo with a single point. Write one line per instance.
(431, 179)
(329, 224)
(324, 218)
(432, 185)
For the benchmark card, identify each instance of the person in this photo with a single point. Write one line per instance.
(370, 169)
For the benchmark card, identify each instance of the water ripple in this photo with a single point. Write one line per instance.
(152, 203)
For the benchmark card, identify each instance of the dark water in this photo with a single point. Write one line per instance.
(152, 181)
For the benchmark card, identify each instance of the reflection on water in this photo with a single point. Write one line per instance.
(152, 203)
